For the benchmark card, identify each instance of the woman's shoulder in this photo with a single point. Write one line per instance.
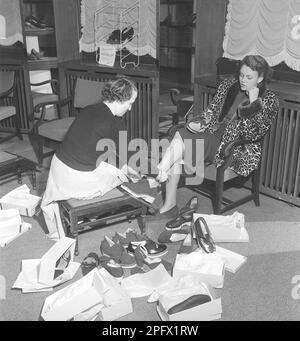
(269, 95)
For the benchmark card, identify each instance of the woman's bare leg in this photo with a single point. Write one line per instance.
(171, 188)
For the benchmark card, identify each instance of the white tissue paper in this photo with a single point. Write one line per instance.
(141, 285)
(11, 226)
(226, 229)
(21, 199)
(209, 267)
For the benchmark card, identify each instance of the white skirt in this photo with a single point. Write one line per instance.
(65, 183)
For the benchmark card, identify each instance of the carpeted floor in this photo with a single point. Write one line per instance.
(260, 290)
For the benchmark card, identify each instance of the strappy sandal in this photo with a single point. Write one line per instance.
(90, 262)
(190, 207)
(203, 237)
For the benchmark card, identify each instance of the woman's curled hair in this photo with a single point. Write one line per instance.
(118, 90)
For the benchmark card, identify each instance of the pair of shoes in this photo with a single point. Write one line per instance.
(35, 22)
(203, 237)
(34, 55)
(130, 236)
(170, 214)
(172, 236)
(117, 252)
(116, 37)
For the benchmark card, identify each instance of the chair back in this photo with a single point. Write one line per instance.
(87, 92)
(6, 80)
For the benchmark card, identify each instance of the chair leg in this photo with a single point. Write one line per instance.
(256, 186)
(40, 151)
(219, 190)
(17, 125)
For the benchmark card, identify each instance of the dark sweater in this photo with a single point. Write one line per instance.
(93, 123)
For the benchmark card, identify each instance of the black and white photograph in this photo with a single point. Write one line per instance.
(149, 163)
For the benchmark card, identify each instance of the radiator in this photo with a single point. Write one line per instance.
(280, 176)
(22, 103)
(142, 122)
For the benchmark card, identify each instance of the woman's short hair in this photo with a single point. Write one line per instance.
(118, 90)
(259, 64)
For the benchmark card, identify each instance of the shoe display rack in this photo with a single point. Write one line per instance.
(119, 26)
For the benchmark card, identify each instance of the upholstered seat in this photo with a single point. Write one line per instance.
(84, 92)
(56, 130)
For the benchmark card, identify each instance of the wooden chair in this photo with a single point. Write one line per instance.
(215, 180)
(84, 92)
(8, 103)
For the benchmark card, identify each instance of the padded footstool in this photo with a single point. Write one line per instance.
(115, 206)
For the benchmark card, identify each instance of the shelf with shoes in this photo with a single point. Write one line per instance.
(119, 26)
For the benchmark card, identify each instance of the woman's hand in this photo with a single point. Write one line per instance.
(253, 94)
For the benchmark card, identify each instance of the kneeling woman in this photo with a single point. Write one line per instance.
(241, 108)
(75, 170)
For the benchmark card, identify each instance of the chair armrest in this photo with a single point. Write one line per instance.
(42, 106)
(53, 82)
(6, 93)
(175, 95)
(228, 148)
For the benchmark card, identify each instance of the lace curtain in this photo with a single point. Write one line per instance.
(270, 28)
(147, 30)
(10, 22)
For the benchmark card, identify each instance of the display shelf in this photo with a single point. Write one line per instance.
(111, 22)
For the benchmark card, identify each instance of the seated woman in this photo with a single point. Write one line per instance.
(240, 109)
(76, 169)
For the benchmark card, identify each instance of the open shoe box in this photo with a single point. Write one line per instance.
(50, 258)
(97, 287)
(21, 199)
(205, 312)
(226, 229)
(208, 268)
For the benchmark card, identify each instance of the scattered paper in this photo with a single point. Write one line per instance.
(233, 261)
(145, 197)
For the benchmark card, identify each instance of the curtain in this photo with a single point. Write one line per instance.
(270, 28)
(10, 22)
(146, 27)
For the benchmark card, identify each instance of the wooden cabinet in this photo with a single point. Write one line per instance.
(57, 42)
(177, 20)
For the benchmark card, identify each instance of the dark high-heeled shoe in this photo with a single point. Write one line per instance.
(179, 222)
(190, 207)
(203, 237)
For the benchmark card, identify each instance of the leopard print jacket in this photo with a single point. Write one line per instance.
(252, 127)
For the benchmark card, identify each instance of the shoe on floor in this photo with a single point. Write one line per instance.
(112, 267)
(117, 252)
(179, 222)
(171, 214)
(90, 262)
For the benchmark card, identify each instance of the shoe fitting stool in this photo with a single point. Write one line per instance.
(115, 206)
